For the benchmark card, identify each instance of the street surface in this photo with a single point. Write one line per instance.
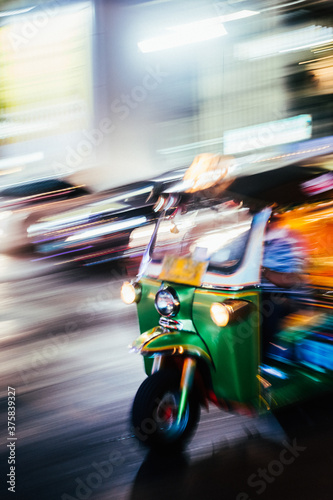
(64, 340)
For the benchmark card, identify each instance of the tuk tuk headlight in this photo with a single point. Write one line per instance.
(167, 302)
(130, 292)
(219, 314)
(225, 312)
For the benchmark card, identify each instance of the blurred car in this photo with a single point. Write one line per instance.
(21, 203)
(98, 229)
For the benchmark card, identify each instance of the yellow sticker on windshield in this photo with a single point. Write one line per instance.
(183, 270)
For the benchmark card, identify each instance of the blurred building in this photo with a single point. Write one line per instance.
(113, 91)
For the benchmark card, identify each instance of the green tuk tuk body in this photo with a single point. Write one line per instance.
(201, 311)
(232, 357)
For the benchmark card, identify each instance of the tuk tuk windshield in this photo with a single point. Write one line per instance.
(216, 235)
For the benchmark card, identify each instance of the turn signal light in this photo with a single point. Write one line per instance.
(223, 313)
(130, 292)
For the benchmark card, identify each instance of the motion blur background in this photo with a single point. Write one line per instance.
(106, 92)
(109, 92)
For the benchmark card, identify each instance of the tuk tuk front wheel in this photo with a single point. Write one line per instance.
(155, 412)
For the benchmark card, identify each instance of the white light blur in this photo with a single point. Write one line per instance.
(8, 328)
(108, 229)
(306, 46)
(242, 14)
(124, 196)
(17, 160)
(59, 221)
(192, 145)
(274, 372)
(282, 6)
(281, 43)
(141, 233)
(315, 60)
(8, 130)
(16, 12)
(324, 49)
(293, 129)
(4, 215)
(79, 215)
(198, 31)
(184, 35)
(214, 242)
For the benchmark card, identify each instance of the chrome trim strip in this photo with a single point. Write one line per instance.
(170, 323)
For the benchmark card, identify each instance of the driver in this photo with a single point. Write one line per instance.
(284, 257)
(283, 278)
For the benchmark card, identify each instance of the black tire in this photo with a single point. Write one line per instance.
(155, 407)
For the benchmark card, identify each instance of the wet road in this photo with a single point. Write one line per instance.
(64, 339)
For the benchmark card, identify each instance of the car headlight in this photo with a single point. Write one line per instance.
(223, 313)
(167, 302)
(130, 292)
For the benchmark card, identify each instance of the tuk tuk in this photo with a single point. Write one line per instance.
(205, 309)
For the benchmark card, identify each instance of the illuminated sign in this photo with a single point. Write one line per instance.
(294, 129)
(288, 41)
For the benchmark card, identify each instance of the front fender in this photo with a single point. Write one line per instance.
(165, 341)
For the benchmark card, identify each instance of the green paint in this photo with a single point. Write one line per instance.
(234, 348)
(232, 353)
